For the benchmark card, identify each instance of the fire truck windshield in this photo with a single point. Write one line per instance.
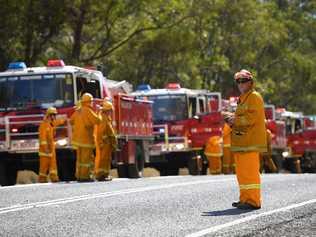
(36, 90)
(169, 108)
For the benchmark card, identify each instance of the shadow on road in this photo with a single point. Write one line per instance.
(227, 212)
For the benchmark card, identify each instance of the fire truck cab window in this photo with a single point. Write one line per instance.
(192, 107)
(169, 107)
(36, 91)
(201, 105)
(88, 86)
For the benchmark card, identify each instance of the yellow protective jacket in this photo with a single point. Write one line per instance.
(105, 133)
(83, 121)
(214, 147)
(249, 131)
(46, 138)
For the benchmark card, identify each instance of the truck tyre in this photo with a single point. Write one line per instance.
(193, 166)
(66, 163)
(3, 175)
(136, 170)
(169, 171)
(278, 161)
(122, 171)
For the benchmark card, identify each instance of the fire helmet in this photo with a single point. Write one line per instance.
(51, 110)
(243, 74)
(86, 98)
(107, 105)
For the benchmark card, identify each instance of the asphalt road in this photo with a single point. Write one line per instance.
(159, 206)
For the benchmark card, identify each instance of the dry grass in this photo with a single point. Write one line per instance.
(26, 177)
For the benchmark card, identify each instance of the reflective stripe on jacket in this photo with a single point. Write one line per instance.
(105, 133)
(249, 131)
(46, 138)
(83, 121)
(214, 146)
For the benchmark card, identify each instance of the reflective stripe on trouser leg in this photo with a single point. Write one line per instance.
(43, 169)
(227, 161)
(103, 161)
(83, 164)
(215, 164)
(248, 176)
(53, 172)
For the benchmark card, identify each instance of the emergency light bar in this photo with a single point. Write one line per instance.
(55, 63)
(16, 66)
(173, 86)
(143, 87)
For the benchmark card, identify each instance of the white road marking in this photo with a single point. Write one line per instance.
(248, 218)
(21, 207)
(47, 184)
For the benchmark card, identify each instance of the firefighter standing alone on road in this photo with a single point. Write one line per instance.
(248, 140)
(47, 151)
(214, 151)
(106, 143)
(83, 121)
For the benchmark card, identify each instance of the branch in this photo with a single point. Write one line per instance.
(128, 38)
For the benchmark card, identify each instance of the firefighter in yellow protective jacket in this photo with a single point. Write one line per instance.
(266, 161)
(106, 143)
(213, 151)
(47, 152)
(228, 159)
(83, 121)
(248, 140)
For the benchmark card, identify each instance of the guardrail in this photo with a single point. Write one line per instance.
(20, 133)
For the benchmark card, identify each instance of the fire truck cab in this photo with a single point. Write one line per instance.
(183, 121)
(301, 141)
(26, 93)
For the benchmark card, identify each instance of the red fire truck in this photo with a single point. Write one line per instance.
(278, 132)
(183, 121)
(26, 93)
(301, 140)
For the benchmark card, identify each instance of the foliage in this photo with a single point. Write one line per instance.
(199, 43)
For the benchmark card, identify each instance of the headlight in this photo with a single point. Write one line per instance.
(285, 153)
(161, 130)
(62, 142)
(180, 146)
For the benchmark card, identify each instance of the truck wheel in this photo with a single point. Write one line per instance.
(3, 175)
(136, 170)
(278, 161)
(169, 171)
(66, 163)
(193, 165)
(122, 170)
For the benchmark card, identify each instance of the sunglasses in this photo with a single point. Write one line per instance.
(242, 80)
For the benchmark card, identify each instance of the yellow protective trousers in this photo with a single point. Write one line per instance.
(84, 163)
(48, 164)
(228, 161)
(248, 176)
(214, 151)
(103, 161)
(214, 164)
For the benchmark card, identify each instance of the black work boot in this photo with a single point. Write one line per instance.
(247, 206)
(235, 204)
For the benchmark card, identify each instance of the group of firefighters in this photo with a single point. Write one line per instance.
(245, 138)
(90, 130)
